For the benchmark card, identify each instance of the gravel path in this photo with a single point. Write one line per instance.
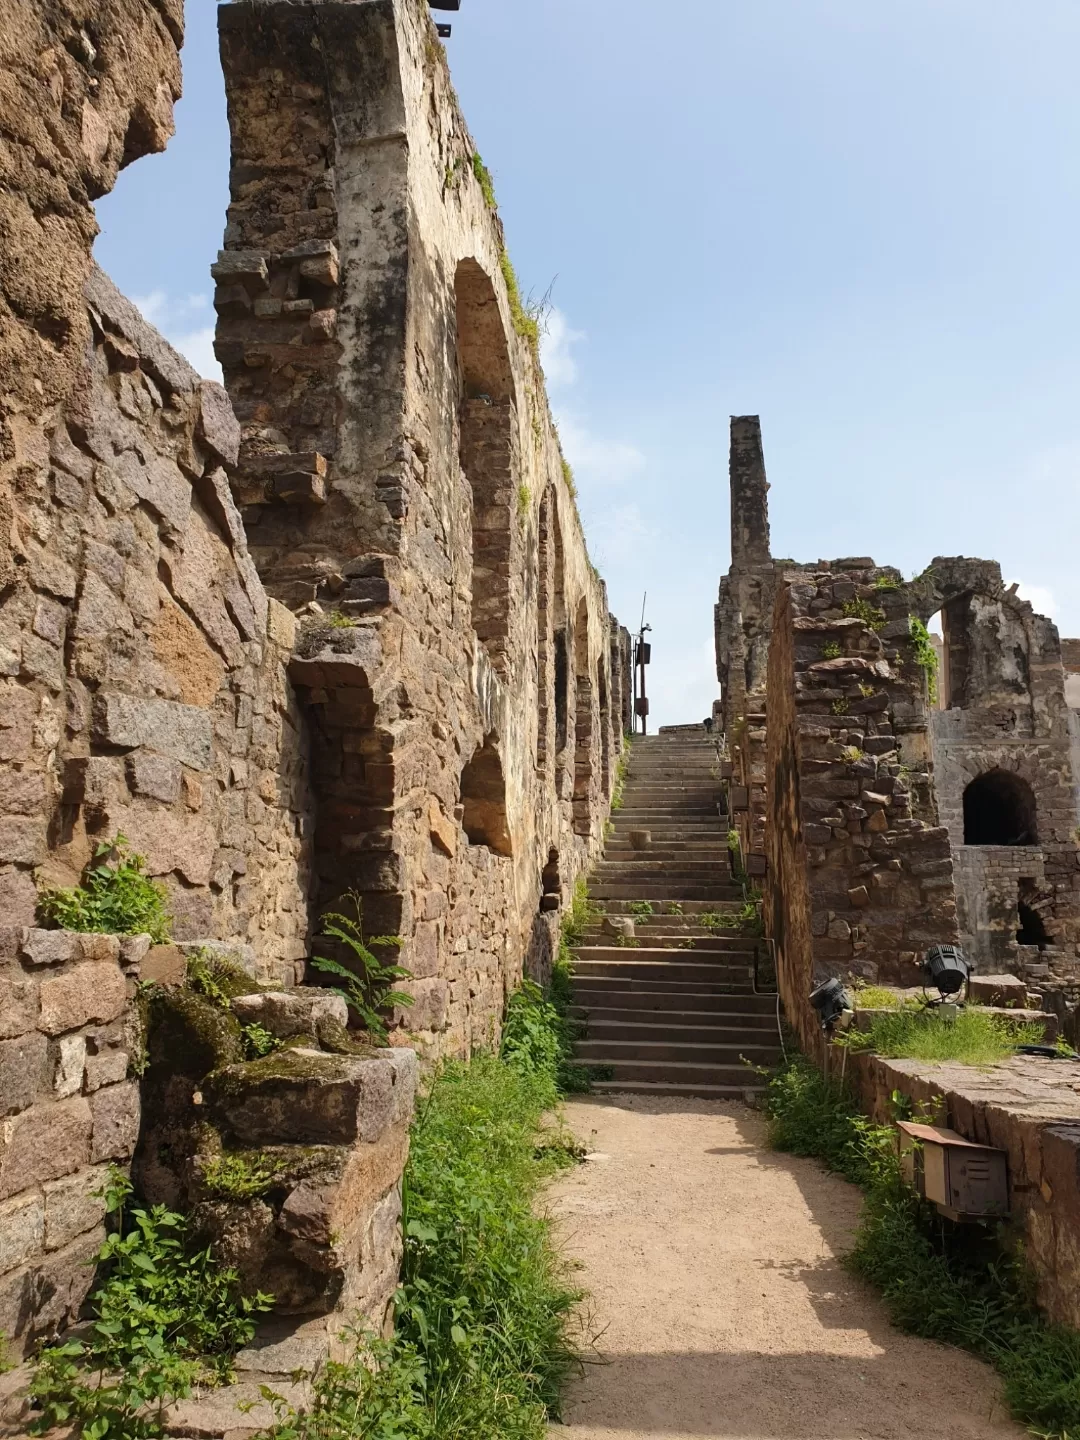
(712, 1266)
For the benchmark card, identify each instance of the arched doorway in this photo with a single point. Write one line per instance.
(999, 809)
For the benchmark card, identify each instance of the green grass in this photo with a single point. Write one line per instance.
(946, 1282)
(876, 997)
(971, 1037)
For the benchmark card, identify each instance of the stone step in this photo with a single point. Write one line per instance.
(659, 890)
(616, 964)
(652, 869)
(732, 900)
(595, 990)
(609, 1051)
(680, 1072)
(598, 997)
(754, 1087)
(677, 1027)
(722, 942)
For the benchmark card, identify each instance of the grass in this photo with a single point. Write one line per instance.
(115, 897)
(876, 997)
(946, 1282)
(746, 920)
(871, 615)
(971, 1037)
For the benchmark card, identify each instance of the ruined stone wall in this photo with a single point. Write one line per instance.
(1005, 723)
(402, 485)
(860, 875)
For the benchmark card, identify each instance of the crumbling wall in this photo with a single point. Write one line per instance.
(403, 488)
(1005, 725)
(860, 875)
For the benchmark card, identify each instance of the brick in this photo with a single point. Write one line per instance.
(22, 839)
(155, 776)
(43, 1143)
(116, 1122)
(19, 1005)
(90, 992)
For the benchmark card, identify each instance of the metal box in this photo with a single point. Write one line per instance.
(964, 1180)
(739, 797)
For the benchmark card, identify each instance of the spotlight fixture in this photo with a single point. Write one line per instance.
(830, 1000)
(444, 31)
(947, 970)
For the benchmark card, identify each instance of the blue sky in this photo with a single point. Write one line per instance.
(858, 218)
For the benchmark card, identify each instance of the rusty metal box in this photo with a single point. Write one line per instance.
(964, 1180)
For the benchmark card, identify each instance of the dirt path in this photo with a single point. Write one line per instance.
(711, 1262)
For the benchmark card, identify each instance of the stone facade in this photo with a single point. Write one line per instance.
(345, 637)
(402, 484)
(69, 1110)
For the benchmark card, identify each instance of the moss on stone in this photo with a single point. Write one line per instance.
(188, 1033)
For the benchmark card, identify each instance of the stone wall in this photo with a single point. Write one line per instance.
(403, 488)
(68, 1036)
(860, 875)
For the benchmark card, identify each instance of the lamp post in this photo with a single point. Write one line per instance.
(642, 657)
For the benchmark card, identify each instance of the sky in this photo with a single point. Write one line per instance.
(856, 218)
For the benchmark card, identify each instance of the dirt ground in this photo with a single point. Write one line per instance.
(724, 1310)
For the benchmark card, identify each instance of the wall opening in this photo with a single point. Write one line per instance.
(487, 425)
(999, 809)
(1032, 930)
(605, 727)
(562, 692)
(544, 640)
(583, 723)
(483, 797)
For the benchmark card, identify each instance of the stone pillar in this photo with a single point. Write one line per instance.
(749, 494)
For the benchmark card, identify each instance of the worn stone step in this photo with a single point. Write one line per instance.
(659, 890)
(676, 1072)
(616, 965)
(744, 1094)
(732, 900)
(674, 1027)
(721, 942)
(607, 1050)
(596, 997)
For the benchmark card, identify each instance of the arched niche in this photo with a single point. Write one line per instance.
(999, 809)
(488, 452)
(483, 797)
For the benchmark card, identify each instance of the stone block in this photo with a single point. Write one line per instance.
(22, 1230)
(155, 776)
(108, 1068)
(92, 991)
(443, 832)
(50, 947)
(23, 1072)
(324, 1207)
(164, 965)
(70, 1066)
(430, 1009)
(294, 1012)
(115, 1111)
(218, 424)
(181, 732)
(1004, 990)
(22, 839)
(71, 1206)
(281, 626)
(304, 1097)
(43, 1143)
(19, 1005)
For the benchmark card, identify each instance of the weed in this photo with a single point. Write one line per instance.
(971, 1037)
(870, 615)
(166, 1316)
(487, 185)
(628, 942)
(746, 919)
(485, 1302)
(524, 502)
(618, 790)
(925, 655)
(831, 651)
(579, 917)
(876, 997)
(852, 753)
(885, 582)
(688, 943)
(237, 1177)
(640, 907)
(866, 690)
(6, 1362)
(947, 1282)
(568, 477)
(525, 322)
(734, 841)
(115, 897)
(218, 981)
(839, 707)
(369, 989)
(673, 908)
(337, 621)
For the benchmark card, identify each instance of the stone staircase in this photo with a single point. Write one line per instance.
(674, 1010)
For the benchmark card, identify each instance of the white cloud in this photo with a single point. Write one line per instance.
(556, 343)
(596, 460)
(175, 319)
(197, 348)
(615, 532)
(1041, 598)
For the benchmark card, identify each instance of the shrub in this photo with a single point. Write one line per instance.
(165, 1316)
(114, 897)
(871, 615)
(947, 1282)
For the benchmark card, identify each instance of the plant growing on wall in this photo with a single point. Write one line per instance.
(870, 615)
(831, 651)
(925, 655)
(114, 897)
(369, 988)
